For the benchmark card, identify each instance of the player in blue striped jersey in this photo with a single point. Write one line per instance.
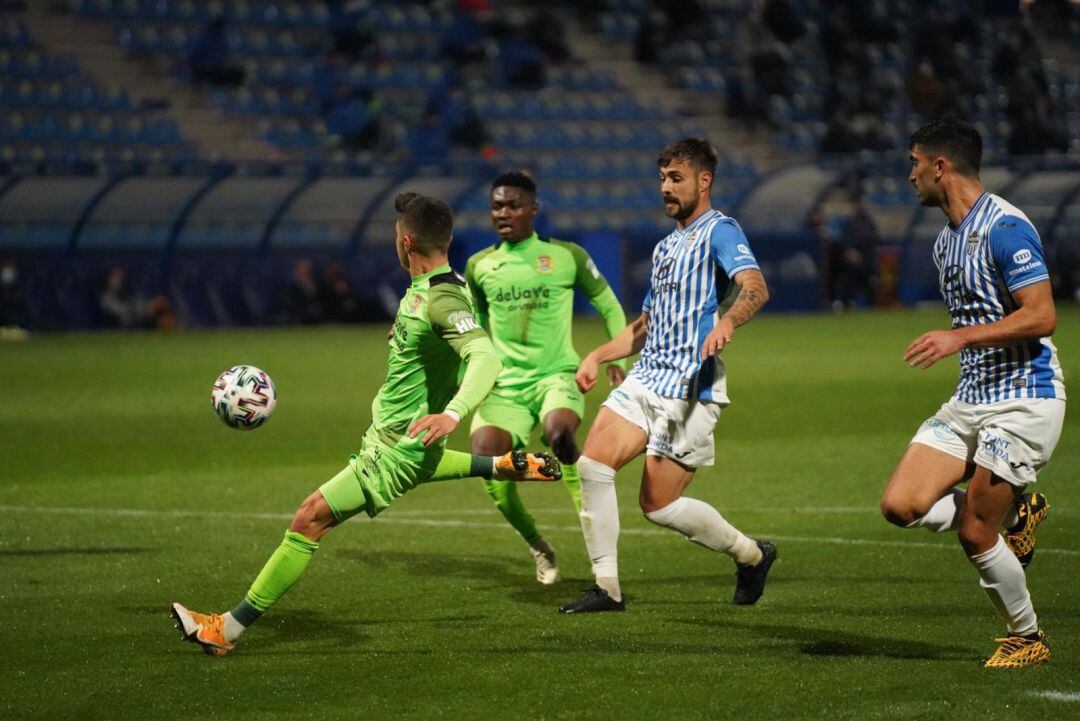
(668, 405)
(1002, 424)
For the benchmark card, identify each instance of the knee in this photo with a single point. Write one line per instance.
(976, 534)
(898, 512)
(563, 445)
(312, 518)
(483, 444)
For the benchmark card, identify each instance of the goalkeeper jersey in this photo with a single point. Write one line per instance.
(434, 331)
(524, 295)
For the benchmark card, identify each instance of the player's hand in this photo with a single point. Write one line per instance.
(615, 375)
(929, 348)
(719, 337)
(435, 426)
(586, 373)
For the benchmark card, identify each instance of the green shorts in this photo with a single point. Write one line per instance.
(379, 473)
(517, 411)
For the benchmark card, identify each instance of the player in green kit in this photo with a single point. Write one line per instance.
(523, 287)
(418, 405)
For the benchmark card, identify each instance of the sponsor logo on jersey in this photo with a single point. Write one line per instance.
(1025, 268)
(463, 321)
(544, 264)
(591, 267)
(665, 267)
(1022, 256)
(417, 301)
(513, 293)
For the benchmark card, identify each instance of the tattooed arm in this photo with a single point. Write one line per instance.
(752, 295)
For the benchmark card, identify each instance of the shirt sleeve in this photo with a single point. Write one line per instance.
(1016, 250)
(482, 367)
(588, 276)
(730, 249)
(451, 316)
(452, 319)
(480, 303)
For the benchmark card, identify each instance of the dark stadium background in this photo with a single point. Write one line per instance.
(185, 158)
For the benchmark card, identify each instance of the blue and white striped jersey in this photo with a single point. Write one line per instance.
(994, 252)
(683, 307)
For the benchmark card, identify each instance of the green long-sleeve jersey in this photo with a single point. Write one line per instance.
(524, 295)
(434, 332)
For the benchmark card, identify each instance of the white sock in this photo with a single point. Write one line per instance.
(703, 524)
(233, 628)
(944, 515)
(1002, 577)
(600, 523)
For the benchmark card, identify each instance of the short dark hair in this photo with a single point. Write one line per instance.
(698, 152)
(515, 179)
(957, 140)
(429, 220)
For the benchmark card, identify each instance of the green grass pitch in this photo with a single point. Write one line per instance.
(121, 492)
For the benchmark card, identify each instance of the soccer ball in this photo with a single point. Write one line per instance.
(243, 397)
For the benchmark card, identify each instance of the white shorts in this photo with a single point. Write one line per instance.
(1012, 439)
(678, 429)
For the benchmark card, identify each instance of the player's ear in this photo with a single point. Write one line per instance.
(705, 180)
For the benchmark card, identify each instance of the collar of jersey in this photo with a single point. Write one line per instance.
(971, 212)
(697, 221)
(423, 279)
(523, 244)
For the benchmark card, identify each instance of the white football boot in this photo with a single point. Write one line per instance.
(547, 571)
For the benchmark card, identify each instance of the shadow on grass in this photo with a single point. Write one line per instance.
(822, 642)
(440, 565)
(37, 552)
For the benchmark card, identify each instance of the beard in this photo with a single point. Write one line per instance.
(681, 211)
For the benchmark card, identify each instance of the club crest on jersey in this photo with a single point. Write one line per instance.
(972, 242)
(544, 264)
(417, 301)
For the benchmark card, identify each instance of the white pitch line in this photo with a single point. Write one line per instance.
(451, 523)
(1056, 695)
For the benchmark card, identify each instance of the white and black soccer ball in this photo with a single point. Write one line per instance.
(244, 397)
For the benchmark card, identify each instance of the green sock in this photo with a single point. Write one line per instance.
(507, 500)
(281, 572)
(572, 481)
(455, 464)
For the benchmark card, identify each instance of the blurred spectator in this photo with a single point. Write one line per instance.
(926, 93)
(851, 260)
(464, 125)
(303, 301)
(12, 301)
(350, 119)
(209, 60)
(429, 142)
(547, 31)
(519, 60)
(464, 40)
(122, 308)
(337, 297)
(352, 26)
(783, 20)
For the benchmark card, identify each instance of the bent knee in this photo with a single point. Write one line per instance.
(898, 512)
(564, 446)
(312, 517)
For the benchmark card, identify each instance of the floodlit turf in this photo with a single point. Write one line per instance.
(121, 492)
